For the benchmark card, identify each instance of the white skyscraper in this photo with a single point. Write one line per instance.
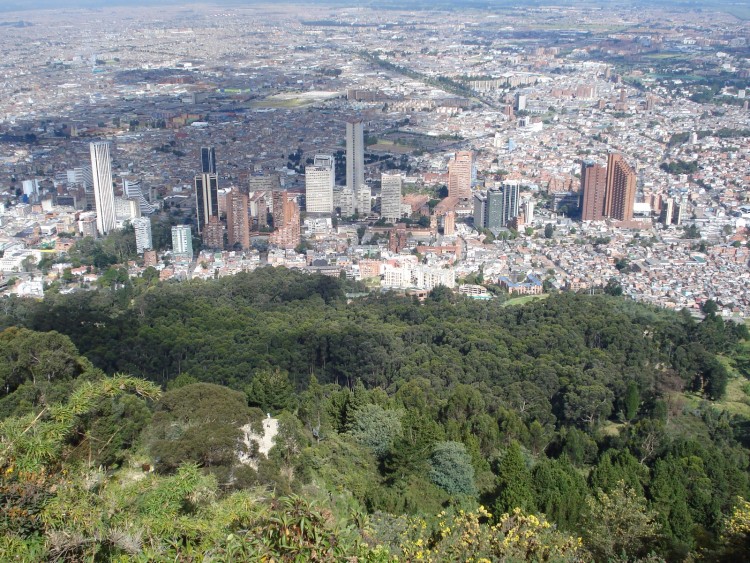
(104, 194)
(319, 182)
(390, 197)
(142, 227)
(355, 166)
(182, 240)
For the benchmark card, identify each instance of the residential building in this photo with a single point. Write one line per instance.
(390, 197)
(594, 188)
(142, 228)
(621, 187)
(238, 220)
(182, 240)
(460, 174)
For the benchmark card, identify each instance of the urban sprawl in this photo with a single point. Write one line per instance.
(519, 150)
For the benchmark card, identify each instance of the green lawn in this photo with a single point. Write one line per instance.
(524, 299)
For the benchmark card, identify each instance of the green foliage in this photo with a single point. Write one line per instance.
(514, 484)
(198, 423)
(375, 428)
(270, 391)
(618, 524)
(451, 469)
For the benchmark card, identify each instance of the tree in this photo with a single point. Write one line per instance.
(198, 423)
(514, 488)
(613, 287)
(549, 230)
(375, 428)
(270, 391)
(588, 403)
(618, 524)
(451, 469)
(632, 401)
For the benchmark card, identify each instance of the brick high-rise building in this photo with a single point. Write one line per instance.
(621, 186)
(213, 234)
(238, 223)
(594, 188)
(460, 171)
(288, 234)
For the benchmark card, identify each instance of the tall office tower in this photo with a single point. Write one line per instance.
(238, 224)
(594, 188)
(182, 240)
(621, 186)
(206, 199)
(132, 190)
(355, 165)
(263, 182)
(104, 193)
(460, 171)
(213, 234)
(319, 181)
(208, 160)
(142, 228)
(480, 210)
(510, 191)
(390, 197)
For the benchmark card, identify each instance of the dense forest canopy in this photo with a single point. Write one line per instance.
(438, 430)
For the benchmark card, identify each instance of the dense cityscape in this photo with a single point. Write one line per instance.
(305, 120)
(463, 281)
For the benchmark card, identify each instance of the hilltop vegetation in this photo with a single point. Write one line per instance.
(443, 430)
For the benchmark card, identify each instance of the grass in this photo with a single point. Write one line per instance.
(524, 299)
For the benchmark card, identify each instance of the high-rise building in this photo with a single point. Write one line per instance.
(278, 197)
(355, 166)
(390, 197)
(460, 171)
(142, 228)
(521, 102)
(288, 234)
(480, 210)
(208, 160)
(126, 209)
(213, 234)
(238, 223)
(104, 193)
(621, 187)
(594, 188)
(320, 178)
(496, 208)
(182, 240)
(206, 199)
(131, 189)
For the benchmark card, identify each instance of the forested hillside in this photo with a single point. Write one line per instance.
(573, 428)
